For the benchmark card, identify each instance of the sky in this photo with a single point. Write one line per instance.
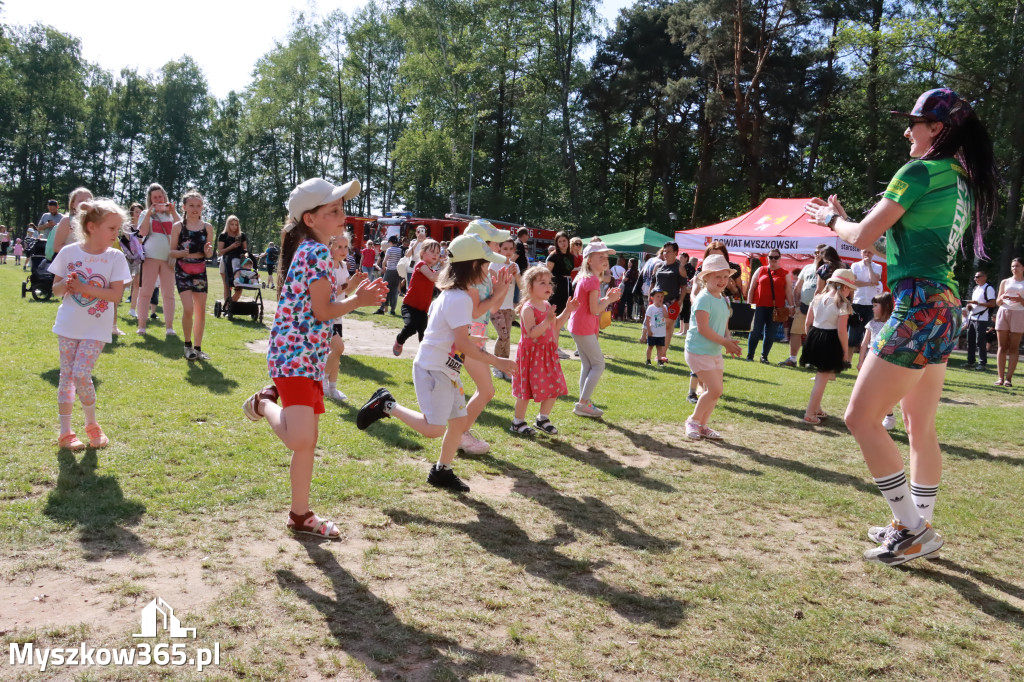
(225, 37)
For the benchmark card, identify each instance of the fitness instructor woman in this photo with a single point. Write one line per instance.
(925, 211)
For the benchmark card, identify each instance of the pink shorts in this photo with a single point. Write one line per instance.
(704, 363)
(1010, 321)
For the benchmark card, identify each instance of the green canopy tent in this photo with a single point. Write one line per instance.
(639, 240)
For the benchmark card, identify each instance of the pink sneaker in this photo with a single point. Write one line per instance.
(710, 433)
(471, 445)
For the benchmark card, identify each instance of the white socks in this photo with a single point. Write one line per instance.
(924, 499)
(90, 413)
(65, 423)
(897, 493)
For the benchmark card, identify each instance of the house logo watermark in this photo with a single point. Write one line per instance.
(157, 613)
(157, 616)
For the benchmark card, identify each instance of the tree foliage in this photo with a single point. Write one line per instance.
(679, 114)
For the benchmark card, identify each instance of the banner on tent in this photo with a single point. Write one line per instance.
(751, 244)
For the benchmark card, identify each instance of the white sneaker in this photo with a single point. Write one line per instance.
(586, 409)
(471, 445)
(201, 355)
(335, 394)
(169, 332)
(889, 422)
(132, 314)
(190, 353)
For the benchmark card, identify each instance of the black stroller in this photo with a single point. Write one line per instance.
(248, 280)
(40, 279)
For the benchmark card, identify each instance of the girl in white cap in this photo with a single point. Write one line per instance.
(300, 339)
(707, 336)
(437, 368)
(827, 344)
(584, 323)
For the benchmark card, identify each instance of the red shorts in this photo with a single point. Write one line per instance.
(300, 391)
(672, 311)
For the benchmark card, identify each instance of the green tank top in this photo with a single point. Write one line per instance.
(938, 201)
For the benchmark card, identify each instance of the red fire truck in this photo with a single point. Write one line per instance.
(440, 229)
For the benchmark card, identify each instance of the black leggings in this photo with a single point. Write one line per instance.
(415, 323)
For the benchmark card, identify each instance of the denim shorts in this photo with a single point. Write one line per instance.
(924, 326)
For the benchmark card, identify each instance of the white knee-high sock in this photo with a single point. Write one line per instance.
(924, 499)
(897, 493)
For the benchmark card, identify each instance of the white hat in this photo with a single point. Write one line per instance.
(487, 231)
(317, 192)
(472, 247)
(714, 263)
(596, 247)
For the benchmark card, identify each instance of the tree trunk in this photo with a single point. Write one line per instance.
(704, 163)
(871, 141)
(819, 124)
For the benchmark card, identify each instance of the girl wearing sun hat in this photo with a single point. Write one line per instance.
(949, 182)
(707, 336)
(827, 337)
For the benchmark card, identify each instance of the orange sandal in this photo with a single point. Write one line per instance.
(69, 441)
(311, 524)
(97, 438)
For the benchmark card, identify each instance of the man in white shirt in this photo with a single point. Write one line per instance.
(980, 309)
(869, 285)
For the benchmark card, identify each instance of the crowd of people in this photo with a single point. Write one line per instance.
(454, 290)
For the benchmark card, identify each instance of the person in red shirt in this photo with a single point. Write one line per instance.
(368, 259)
(771, 287)
(421, 293)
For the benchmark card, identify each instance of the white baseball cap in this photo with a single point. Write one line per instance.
(472, 247)
(486, 230)
(318, 192)
(596, 247)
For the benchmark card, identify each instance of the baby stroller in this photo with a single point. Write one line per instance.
(40, 280)
(247, 279)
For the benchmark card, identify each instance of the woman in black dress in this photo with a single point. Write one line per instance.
(560, 263)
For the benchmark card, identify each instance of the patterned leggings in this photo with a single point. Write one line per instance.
(77, 358)
(502, 321)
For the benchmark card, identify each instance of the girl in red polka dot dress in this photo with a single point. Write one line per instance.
(540, 375)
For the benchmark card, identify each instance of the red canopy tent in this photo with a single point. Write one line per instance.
(775, 224)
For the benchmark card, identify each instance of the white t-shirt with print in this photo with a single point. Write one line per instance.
(808, 283)
(656, 320)
(340, 280)
(863, 295)
(437, 353)
(88, 318)
(983, 293)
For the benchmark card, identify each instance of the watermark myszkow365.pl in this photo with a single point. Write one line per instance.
(155, 615)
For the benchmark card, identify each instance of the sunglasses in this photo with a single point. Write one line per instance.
(774, 257)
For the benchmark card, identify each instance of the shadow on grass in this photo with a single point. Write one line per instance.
(832, 427)
(969, 453)
(367, 629)
(502, 537)
(966, 583)
(599, 459)
(208, 376)
(170, 348)
(96, 505)
(52, 377)
(588, 514)
(808, 470)
(351, 366)
(662, 449)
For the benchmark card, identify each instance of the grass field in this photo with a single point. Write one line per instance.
(616, 550)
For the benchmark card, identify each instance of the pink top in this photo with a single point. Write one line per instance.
(582, 321)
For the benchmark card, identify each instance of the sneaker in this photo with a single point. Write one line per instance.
(378, 312)
(788, 362)
(152, 316)
(251, 407)
(889, 422)
(202, 356)
(396, 349)
(190, 353)
(471, 445)
(764, 360)
(169, 332)
(132, 314)
(648, 361)
(335, 394)
(562, 355)
(376, 408)
(140, 331)
(710, 433)
(498, 374)
(981, 367)
(446, 478)
(692, 397)
(693, 430)
(901, 545)
(586, 409)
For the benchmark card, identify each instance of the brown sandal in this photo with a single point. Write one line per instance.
(311, 524)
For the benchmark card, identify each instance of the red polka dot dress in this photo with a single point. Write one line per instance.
(540, 373)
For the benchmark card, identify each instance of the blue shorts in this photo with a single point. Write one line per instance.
(924, 326)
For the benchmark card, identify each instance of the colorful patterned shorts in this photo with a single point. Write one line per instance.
(186, 282)
(924, 325)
